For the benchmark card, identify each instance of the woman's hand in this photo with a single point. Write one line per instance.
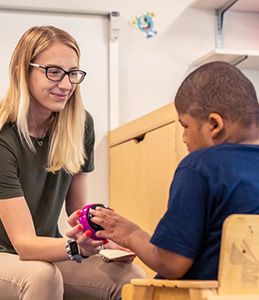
(87, 245)
(116, 228)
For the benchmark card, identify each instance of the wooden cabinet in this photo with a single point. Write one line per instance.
(143, 157)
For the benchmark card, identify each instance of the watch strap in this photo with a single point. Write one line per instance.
(73, 251)
(84, 256)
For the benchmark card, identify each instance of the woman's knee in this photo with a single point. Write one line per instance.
(47, 274)
(127, 271)
(137, 271)
(44, 282)
(122, 274)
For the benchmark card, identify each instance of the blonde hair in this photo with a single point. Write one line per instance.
(66, 148)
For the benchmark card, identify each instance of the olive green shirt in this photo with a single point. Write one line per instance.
(23, 173)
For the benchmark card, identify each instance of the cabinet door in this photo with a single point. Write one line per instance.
(140, 176)
(124, 179)
(158, 161)
(141, 171)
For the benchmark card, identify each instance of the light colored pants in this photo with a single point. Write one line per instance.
(89, 280)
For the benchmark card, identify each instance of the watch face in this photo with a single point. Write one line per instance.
(74, 248)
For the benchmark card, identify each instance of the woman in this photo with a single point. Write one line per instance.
(46, 145)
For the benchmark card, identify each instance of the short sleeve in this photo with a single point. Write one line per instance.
(89, 144)
(10, 185)
(181, 229)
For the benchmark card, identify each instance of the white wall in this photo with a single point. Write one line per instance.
(146, 66)
(241, 32)
(152, 69)
(94, 89)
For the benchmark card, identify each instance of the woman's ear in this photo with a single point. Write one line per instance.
(216, 124)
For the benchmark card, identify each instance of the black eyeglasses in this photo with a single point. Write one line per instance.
(56, 74)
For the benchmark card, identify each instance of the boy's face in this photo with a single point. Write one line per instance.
(197, 134)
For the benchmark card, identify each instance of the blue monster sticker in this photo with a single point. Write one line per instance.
(145, 23)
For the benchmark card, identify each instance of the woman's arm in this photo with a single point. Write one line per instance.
(77, 194)
(17, 221)
(75, 200)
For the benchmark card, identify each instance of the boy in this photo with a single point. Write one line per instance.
(218, 108)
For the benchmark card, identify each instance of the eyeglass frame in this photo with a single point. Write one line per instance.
(64, 74)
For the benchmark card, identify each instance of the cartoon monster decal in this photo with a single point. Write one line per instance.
(145, 23)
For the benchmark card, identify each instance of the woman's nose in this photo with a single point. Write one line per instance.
(65, 83)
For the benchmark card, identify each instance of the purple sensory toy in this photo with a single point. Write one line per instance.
(85, 220)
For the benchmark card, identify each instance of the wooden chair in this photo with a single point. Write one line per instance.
(238, 277)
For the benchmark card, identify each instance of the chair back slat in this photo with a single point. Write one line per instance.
(239, 256)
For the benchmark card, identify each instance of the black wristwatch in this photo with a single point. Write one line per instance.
(73, 251)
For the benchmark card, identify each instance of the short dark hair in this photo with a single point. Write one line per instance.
(221, 88)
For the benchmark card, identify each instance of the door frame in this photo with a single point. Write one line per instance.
(113, 46)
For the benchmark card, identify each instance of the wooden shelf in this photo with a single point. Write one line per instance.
(231, 56)
(241, 5)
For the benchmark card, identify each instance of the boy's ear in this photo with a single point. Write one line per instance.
(216, 124)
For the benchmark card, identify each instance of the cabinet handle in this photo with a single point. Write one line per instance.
(140, 138)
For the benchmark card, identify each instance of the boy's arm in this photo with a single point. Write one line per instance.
(167, 263)
(124, 232)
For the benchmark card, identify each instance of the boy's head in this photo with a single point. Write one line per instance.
(217, 94)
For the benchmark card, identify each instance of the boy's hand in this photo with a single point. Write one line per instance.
(116, 227)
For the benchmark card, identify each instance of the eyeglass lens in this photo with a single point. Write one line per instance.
(57, 74)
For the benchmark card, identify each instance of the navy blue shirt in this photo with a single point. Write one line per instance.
(208, 185)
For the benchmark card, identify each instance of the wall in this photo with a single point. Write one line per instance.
(241, 32)
(152, 69)
(94, 60)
